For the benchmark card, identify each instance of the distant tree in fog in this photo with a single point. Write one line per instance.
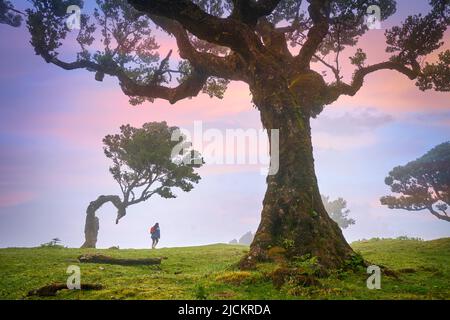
(337, 210)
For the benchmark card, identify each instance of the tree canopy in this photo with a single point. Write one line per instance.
(422, 184)
(9, 15)
(143, 164)
(223, 40)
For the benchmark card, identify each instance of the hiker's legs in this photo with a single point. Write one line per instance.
(153, 243)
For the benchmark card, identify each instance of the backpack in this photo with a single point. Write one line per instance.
(152, 229)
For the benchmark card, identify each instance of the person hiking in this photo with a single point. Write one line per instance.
(156, 234)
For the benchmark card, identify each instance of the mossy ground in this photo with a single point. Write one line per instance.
(209, 272)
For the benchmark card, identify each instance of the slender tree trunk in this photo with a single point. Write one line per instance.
(294, 220)
(92, 223)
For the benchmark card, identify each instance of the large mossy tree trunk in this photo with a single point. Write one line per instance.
(294, 221)
(92, 222)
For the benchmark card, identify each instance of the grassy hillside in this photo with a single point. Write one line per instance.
(422, 267)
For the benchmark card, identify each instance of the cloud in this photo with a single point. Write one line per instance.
(341, 143)
(351, 123)
(434, 118)
(14, 198)
(349, 130)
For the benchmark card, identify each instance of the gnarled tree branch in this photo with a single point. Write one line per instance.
(190, 87)
(249, 11)
(230, 67)
(273, 38)
(318, 11)
(228, 32)
(438, 215)
(341, 88)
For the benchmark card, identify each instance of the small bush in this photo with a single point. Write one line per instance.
(355, 262)
(409, 238)
(306, 263)
(200, 293)
(402, 238)
(54, 243)
(288, 244)
(235, 277)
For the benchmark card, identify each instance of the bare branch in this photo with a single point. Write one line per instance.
(335, 71)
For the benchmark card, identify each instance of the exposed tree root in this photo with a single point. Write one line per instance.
(98, 258)
(51, 289)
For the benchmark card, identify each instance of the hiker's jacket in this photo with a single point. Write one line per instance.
(156, 234)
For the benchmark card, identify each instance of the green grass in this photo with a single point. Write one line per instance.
(209, 272)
